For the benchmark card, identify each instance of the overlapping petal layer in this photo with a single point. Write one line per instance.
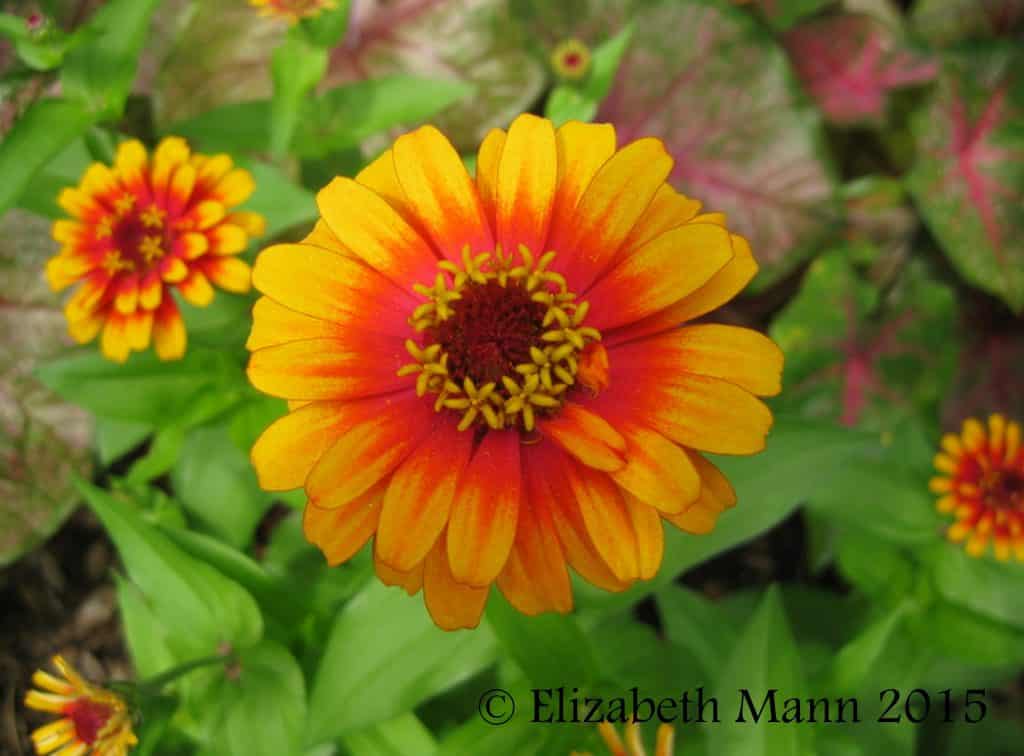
(487, 375)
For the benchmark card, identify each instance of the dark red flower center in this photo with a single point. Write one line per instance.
(1004, 488)
(490, 332)
(573, 59)
(90, 717)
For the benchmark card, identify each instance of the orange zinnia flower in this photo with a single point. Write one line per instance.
(983, 486)
(293, 10)
(571, 59)
(488, 375)
(634, 744)
(95, 722)
(142, 228)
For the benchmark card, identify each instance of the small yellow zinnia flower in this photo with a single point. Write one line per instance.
(95, 721)
(633, 744)
(983, 486)
(293, 11)
(141, 228)
(571, 59)
(488, 376)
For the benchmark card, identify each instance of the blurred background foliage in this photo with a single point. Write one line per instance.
(871, 150)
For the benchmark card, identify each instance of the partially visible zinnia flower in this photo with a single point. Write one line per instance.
(94, 721)
(633, 745)
(571, 59)
(293, 11)
(139, 230)
(982, 485)
(489, 377)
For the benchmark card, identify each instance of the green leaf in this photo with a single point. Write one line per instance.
(265, 707)
(875, 566)
(162, 454)
(115, 438)
(765, 658)
(568, 102)
(550, 648)
(971, 637)
(146, 637)
(199, 607)
(782, 14)
(40, 49)
(217, 485)
(858, 659)
(280, 200)
(801, 461)
(100, 69)
(237, 127)
(967, 181)
(296, 67)
(984, 585)
(346, 115)
(695, 623)
(46, 128)
(401, 736)
(945, 22)
(719, 91)
(383, 657)
(144, 389)
(222, 324)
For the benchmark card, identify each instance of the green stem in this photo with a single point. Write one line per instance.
(156, 684)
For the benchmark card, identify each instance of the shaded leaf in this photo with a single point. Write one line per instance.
(969, 173)
(43, 441)
(849, 63)
(947, 21)
(982, 585)
(719, 91)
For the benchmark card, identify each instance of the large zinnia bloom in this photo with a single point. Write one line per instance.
(94, 721)
(139, 230)
(487, 376)
(982, 485)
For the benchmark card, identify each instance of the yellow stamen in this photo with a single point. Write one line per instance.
(151, 249)
(153, 217)
(535, 386)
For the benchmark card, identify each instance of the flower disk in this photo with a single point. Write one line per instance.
(571, 59)
(142, 228)
(94, 722)
(487, 376)
(293, 11)
(982, 485)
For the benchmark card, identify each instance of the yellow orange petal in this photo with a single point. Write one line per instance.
(487, 159)
(657, 471)
(445, 199)
(526, 184)
(608, 520)
(339, 533)
(587, 436)
(452, 605)
(273, 324)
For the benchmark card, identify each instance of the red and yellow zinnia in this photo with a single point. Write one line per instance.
(982, 485)
(142, 228)
(293, 11)
(487, 376)
(94, 721)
